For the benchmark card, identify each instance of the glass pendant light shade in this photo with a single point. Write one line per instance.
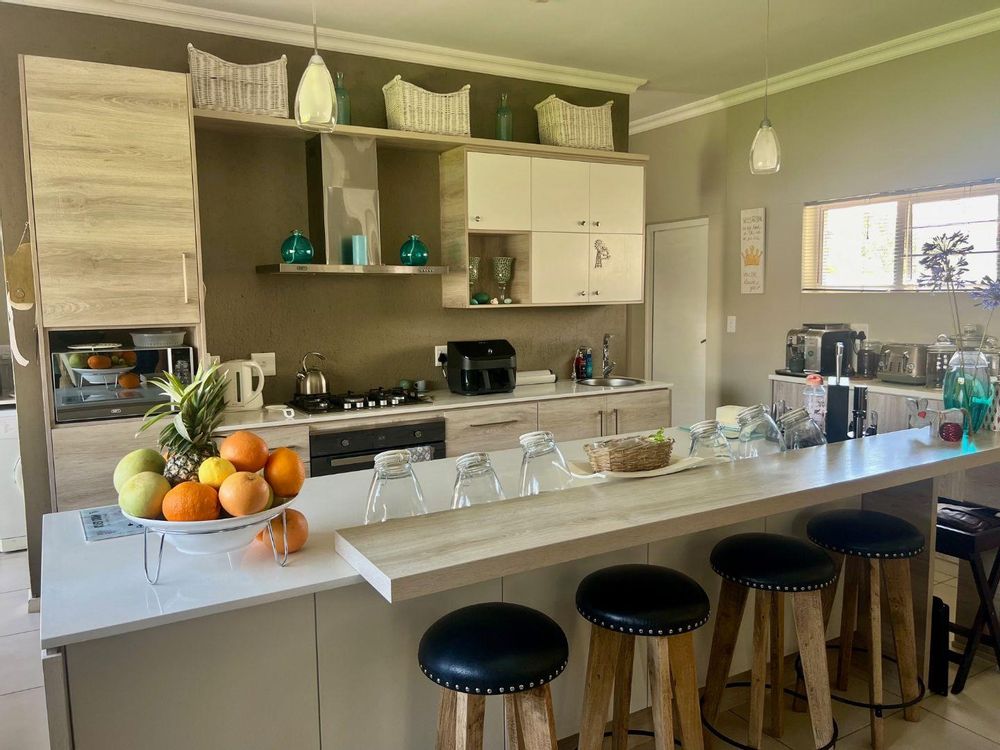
(316, 98)
(765, 153)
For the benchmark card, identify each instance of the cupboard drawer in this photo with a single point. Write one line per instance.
(636, 412)
(573, 418)
(488, 428)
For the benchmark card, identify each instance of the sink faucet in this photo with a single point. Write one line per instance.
(609, 366)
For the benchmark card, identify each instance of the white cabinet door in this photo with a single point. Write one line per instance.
(499, 192)
(559, 267)
(560, 195)
(616, 267)
(617, 195)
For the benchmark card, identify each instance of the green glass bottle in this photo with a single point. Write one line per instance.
(505, 120)
(296, 248)
(413, 252)
(343, 101)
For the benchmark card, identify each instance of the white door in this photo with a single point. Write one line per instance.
(559, 267)
(12, 523)
(499, 192)
(677, 316)
(617, 193)
(616, 270)
(560, 195)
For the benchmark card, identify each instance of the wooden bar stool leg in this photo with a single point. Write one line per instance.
(875, 693)
(758, 671)
(685, 679)
(602, 661)
(660, 688)
(853, 570)
(976, 631)
(900, 595)
(830, 592)
(622, 706)
(515, 737)
(777, 670)
(732, 600)
(446, 721)
(470, 713)
(538, 726)
(807, 610)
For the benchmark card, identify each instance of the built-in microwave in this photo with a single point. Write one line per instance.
(106, 381)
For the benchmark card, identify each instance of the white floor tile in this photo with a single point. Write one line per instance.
(947, 565)
(13, 571)
(976, 708)
(23, 723)
(20, 662)
(14, 615)
(948, 593)
(930, 733)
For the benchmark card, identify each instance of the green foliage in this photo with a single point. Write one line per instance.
(193, 411)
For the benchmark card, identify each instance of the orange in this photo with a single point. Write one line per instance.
(129, 380)
(191, 501)
(244, 493)
(98, 362)
(244, 450)
(285, 472)
(128, 357)
(298, 532)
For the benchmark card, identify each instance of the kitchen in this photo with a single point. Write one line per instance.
(249, 180)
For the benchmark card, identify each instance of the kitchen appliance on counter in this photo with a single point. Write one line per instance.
(478, 367)
(374, 398)
(340, 451)
(903, 363)
(869, 356)
(310, 381)
(813, 348)
(938, 356)
(795, 352)
(241, 395)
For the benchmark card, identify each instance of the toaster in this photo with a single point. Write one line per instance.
(903, 363)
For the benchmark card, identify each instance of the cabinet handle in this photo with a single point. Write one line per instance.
(596, 292)
(184, 275)
(477, 218)
(600, 426)
(597, 223)
(615, 413)
(582, 293)
(582, 222)
(496, 424)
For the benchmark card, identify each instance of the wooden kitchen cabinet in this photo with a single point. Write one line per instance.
(603, 415)
(560, 268)
(560, 195)
(617, 198)
(112, 194)
(790, 393)
(892, 412)
(616, 267)
(573, 418)
(498, 192)
(488, 428)
(638, 411)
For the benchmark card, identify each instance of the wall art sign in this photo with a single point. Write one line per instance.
(752, 251)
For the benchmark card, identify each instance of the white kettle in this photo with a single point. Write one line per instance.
(241, 395)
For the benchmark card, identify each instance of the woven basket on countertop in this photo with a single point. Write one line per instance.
(409, 107)
(218, 84)
(563, 124)
(629, 454)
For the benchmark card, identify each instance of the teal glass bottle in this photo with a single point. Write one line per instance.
(296, 248)
(505, 120)
(413, 252)
(343, 101)
(967, 386)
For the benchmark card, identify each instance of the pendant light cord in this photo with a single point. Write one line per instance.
(316, 32)
(767, 39)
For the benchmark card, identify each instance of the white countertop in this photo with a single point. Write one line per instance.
(96, 589)
(440, 400)
(874, 386)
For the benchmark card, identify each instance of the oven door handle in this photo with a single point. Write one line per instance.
(352, 460)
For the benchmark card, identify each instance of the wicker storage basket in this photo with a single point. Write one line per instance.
(629, 454)
(260, 89)
(409, 107)
(563, 124)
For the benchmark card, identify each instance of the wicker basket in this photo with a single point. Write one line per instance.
(629, 454)
(409, 107)
(563, 124)
(260, 89)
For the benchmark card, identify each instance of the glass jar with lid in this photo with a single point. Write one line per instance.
(708, 441)
(939, 354)
(800, 431)
(756, 424)
(869, 357)
(476, 482)
(394, 491)
(543, 467)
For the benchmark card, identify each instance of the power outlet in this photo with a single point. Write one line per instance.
(731, 324)
(267, 363)
(438, 351)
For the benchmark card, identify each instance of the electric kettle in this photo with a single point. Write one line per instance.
(241, 395)
(310, 381)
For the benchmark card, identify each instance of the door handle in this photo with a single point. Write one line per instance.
(496, 424)
(477, 218)
(184, 276)
(615, 413)
(596, 292)
(582, 294)
(351, 461)
(600, 417)
(582, 222)
(597, 223)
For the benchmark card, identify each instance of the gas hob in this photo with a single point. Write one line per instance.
(376, 398)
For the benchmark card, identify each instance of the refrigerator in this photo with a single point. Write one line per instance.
(12, 526)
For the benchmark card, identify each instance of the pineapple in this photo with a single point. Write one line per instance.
(193, 412)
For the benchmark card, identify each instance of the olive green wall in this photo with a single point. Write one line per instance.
(923, 120)
(252, 194)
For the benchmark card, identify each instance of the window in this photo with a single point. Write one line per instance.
(875, 243)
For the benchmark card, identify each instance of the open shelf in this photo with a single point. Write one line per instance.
(235, 122)
(322, 269)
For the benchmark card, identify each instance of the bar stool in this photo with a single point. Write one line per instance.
(776, 566)
(874, 545)
(494, 648)
(625, 601)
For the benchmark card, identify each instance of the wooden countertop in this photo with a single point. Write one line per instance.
(407, 558)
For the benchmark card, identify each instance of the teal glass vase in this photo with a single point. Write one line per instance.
(297, 248)
(967, 386)
(505, 120)
(414, 252)
(343, 101)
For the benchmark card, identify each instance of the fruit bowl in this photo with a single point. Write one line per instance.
(107, 376)
(211, 537)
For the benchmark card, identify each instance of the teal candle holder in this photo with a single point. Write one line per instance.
(297, 248)
(414, 252)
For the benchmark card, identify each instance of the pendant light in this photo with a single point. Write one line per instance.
(316, 99)
(765, 153)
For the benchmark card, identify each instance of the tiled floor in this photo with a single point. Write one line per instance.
(970, 721)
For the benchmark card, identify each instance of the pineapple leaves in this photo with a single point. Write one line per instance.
(195, 411)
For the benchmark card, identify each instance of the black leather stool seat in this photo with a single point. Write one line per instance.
(493, 648)
(865, 533)
(643, 600)
(773, 562)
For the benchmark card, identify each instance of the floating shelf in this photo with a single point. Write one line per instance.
(322, 269)
(235, 122)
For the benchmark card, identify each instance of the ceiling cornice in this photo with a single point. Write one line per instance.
(251, 27)
(921, 41)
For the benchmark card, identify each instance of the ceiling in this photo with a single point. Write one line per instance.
(685, 49)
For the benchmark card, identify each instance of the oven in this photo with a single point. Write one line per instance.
(340, 451)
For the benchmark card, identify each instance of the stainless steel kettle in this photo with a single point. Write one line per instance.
(310, 381)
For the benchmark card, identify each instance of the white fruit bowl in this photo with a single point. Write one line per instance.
(107, 376)
(211, 537)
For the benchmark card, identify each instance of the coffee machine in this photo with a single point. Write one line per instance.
(813, 349)
(478, 367)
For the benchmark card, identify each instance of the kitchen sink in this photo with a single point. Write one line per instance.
(611, 382)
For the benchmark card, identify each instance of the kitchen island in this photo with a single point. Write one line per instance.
(312, 655)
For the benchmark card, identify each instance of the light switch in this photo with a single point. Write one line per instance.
(731, 324)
